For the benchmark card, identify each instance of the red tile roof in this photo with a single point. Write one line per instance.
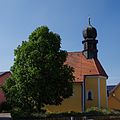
(83, 66)
(4, 76)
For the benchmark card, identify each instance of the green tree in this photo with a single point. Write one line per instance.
(39, 73)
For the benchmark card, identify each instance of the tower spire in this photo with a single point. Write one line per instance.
(90, 42)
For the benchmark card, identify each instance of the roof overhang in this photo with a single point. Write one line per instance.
(95, 76)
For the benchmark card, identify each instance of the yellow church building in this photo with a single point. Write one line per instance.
(89, 87)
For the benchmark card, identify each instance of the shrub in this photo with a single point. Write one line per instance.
(95, 111)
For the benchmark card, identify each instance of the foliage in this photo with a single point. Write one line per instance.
(96, 111)
(115, 112)
(93, 113)
(39, 73)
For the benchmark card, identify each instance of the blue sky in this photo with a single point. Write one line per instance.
(68, 18)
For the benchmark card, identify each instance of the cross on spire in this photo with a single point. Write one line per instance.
(89, 20)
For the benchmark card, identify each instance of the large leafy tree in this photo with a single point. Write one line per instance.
(39, 73)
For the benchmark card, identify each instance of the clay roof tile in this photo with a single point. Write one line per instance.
(83, 66)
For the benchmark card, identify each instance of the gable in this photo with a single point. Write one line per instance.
(114, 97)
(116, 89)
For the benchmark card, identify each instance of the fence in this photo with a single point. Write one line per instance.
(73, 118)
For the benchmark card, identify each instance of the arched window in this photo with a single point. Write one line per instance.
(89, 95)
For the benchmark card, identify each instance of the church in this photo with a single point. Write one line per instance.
(89, 87)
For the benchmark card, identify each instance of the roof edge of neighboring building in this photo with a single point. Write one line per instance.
(114, 88)
(4, 72)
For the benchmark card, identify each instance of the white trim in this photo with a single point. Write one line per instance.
(106, 97)
(98, 93)
(96, 77)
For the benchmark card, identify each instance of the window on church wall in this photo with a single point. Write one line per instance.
(89, 95)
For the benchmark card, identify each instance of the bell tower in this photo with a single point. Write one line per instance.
(90, 42)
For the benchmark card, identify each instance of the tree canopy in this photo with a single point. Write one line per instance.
(39, 73)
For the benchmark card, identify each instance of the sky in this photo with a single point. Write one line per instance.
(68, 18)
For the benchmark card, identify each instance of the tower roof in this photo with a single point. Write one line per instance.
(83, 66)
(89, 31)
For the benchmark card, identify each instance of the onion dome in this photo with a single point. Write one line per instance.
(89, 32)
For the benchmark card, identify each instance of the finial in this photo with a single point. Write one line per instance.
(89, 21)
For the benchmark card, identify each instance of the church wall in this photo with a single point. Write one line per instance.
(103, 93)
(91, 84)
(73, 103)
(97, 86)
